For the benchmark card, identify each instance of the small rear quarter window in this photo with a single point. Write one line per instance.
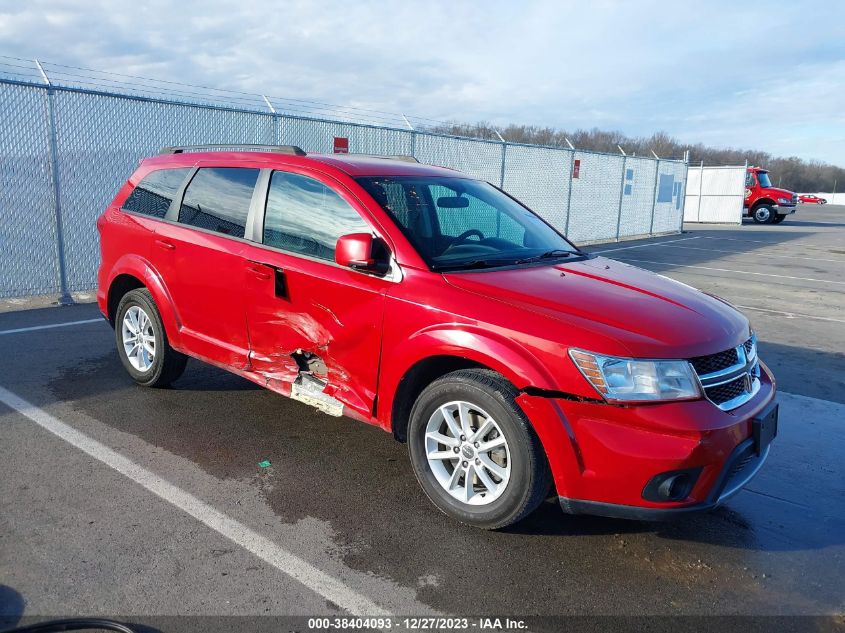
(155, 192)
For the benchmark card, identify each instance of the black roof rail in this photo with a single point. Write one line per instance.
(292, 150)
(405, 158)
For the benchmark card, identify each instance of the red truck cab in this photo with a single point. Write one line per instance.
(437, 307)
(764, 203)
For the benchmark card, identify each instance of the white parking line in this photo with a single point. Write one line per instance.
(262, 547)
(791, 315)
(730, 270)
(772, 242)
(625, 248)
(719, 250)
(52, 325)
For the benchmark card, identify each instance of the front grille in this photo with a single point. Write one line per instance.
(714, 362)
(749, 346)
(745, 463)
(728, 391)
(741, 464)
(729, 378)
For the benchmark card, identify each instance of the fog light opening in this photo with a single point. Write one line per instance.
(671, 486)
(675, 488)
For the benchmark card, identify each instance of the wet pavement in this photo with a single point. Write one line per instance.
(76, 537)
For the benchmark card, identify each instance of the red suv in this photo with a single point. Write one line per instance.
(438, 307)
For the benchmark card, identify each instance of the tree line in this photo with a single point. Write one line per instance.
(791, 173)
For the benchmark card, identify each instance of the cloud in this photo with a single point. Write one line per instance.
(766, 76)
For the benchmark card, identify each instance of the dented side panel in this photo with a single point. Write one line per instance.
(301, 307)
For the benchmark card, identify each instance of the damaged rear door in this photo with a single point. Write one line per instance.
(313, 325)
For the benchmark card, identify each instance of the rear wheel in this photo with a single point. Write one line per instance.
(763, 214)
(474, 452)
(142, 342)
(778, 219)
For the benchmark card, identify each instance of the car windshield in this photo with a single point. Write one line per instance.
(763, 177)
(458, 223)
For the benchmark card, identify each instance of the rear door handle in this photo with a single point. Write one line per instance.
(165, 245)
(263, 275)
(266, 272)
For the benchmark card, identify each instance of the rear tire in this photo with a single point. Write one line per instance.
(142, 342)
(763, 214)
(778, 219)
(467, 427)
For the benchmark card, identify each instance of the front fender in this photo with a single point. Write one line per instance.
(497, 352)
(484, 347)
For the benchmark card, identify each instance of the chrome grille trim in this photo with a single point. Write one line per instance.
(747, 368)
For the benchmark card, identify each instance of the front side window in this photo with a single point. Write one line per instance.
(457, 223)
(218, 199)
(749, 179)
(305, 216)
(155, 192)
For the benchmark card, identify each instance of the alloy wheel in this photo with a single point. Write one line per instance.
(467, 453)
(139, 341)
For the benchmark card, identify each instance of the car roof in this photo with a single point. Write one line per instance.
(354, 165)
(364, 165)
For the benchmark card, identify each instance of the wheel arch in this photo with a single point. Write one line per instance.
(131, 272)
(761, 202)
(423, 358)
(414, 380)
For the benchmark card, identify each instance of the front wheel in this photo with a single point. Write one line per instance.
(763, 214)
(142, 342)
(778, 219)
(474, 452)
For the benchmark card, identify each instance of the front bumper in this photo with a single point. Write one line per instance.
(602, 456)
(740, 468)
(784, 209)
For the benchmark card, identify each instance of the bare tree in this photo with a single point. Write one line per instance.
(791, 173)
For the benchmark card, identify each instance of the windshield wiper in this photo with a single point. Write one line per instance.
(473, 263)
(552, 254)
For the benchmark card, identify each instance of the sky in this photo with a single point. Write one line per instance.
(760, 75)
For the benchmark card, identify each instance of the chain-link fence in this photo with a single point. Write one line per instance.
(66, 150)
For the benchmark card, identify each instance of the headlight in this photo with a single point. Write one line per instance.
(784, 200)
(629, 379)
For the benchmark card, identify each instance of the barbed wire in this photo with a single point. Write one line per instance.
(66, 75)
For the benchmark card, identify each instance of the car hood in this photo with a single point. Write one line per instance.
(775, 191)
(647, 314)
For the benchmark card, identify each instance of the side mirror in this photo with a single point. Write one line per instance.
(362, 251)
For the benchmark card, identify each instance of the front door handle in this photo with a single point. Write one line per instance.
(165, 245)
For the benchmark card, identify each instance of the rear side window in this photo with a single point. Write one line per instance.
(155, 192)
(306, 217)
(218, 199)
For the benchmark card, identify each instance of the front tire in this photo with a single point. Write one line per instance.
(474, 452)
(778, 219)
(142, 342)
(763, 214)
